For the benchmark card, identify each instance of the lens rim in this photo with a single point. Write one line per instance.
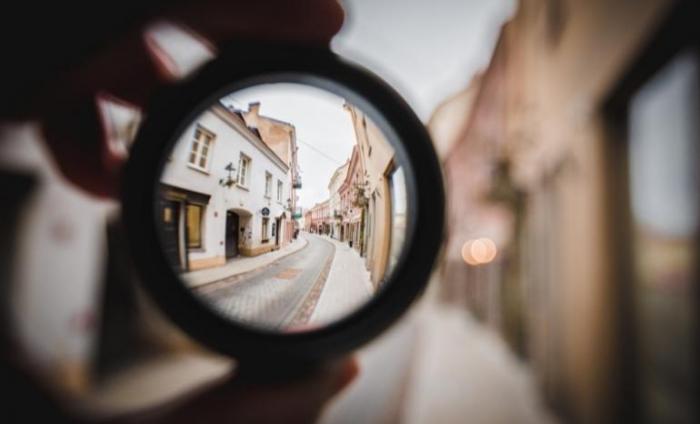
(175, 107)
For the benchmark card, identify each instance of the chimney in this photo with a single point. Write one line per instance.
(254, 108)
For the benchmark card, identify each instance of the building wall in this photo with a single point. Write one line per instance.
(353, 214)
(335, 204)
(280, 136)
(275, 133)
(231, 139)
(320, 217)
(308, 219)
(528, 168)
(377, 158)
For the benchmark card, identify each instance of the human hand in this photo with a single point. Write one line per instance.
(129, 70)
(298, 401)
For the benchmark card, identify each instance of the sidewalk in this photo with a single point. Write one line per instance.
(439, 365)
(464, 372)
(348, 285)
(241, 264)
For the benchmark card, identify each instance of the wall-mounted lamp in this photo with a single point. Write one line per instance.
(229, 181)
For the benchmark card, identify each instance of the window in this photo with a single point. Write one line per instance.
(663, 177)
(279, 190)
(201, 149)
(274, 229)
(167, 215)
(194, 225)
(268, 184)
(243, 170)
(263, 233)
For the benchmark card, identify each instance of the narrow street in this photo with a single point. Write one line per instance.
(273, 296)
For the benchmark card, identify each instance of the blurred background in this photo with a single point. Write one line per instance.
(566, 290)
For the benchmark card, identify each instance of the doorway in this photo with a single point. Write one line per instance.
(278, 225)
(232, 222)
(170, 218)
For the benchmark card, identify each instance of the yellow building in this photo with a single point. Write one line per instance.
(353, 204)
(377, 168)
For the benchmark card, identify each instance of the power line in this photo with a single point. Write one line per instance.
(317, 150)
(233, 100)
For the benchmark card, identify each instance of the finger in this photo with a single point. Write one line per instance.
(307, 21)
(298, 402)
(129, 70)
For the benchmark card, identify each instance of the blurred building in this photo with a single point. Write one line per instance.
(353, 203)
(318, 218)
(576, 156)
(334, 201)
(375, 183)
(307, 220)
(225, 191)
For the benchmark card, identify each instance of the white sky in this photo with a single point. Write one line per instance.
(324, 130)
(426, 49)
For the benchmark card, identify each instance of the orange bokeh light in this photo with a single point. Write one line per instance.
(479, 251)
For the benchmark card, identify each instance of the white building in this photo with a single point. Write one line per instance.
(224, 193)
(335, 204)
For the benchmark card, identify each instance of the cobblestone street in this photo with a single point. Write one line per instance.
(273, 295)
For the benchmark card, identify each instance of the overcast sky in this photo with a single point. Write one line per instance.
(427, 50)
(323, 127)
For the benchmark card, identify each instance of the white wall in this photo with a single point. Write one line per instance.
(227, 147)
(335, 204)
